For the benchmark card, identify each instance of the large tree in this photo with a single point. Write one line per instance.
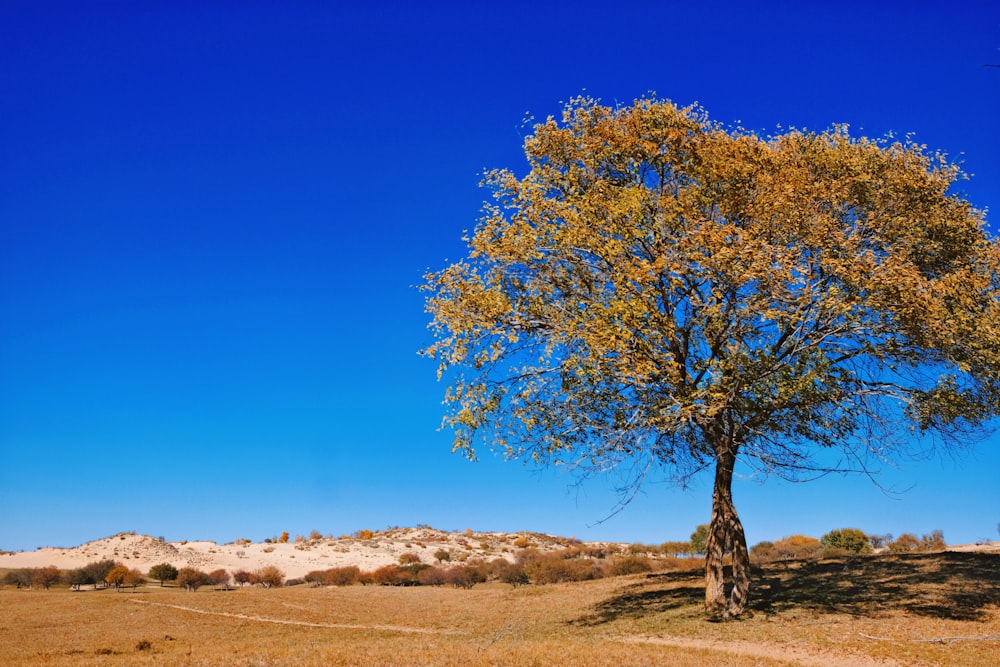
(660, 289)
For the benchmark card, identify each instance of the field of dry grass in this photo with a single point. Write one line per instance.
(931, 609)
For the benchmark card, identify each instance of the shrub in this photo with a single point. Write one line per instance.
(393, 575)
(409, 558)
(268, 576)
(284, 537)
(509, 573)
(933, 542)
(460, 576)
(242, 577)
(342, 576)
(629, 565)
(442, 555)
(335, 576)
(908, 542)
(315, 535)
(432, 576)
(555, 568)
(364, 534)
(675, 563)
(797, 547)
(848, 540)
(904, 543)
(763, 552)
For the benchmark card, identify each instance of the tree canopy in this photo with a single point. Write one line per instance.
(660, 288)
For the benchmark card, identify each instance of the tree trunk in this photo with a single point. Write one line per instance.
(725, 531)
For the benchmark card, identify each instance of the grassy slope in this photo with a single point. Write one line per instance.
(803, 613)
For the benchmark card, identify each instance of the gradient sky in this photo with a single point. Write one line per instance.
(213, 216)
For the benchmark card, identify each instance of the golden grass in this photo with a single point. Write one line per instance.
(802, 614)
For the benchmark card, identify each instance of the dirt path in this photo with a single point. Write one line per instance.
(308, 624)
(790, 654)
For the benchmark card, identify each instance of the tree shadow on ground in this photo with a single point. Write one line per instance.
(948, 585)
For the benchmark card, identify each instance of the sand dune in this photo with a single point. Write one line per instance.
(295, 559)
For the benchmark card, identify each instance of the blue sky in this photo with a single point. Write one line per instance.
(213, 216)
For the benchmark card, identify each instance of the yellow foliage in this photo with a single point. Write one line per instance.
(656, 278)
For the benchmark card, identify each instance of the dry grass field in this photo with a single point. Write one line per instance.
(930, 609)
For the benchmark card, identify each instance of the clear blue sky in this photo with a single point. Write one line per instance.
(213, 216)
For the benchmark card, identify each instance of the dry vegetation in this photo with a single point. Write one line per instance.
(882, 610)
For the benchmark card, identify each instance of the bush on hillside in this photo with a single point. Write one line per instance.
(848, 540)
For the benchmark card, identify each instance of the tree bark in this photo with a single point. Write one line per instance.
(725, 531)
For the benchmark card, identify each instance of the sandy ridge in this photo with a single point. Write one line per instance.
(295, 559)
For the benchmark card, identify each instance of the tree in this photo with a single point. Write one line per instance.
(163, 572)
(116, 577)
(268, 576)
(78, 577)
(699, 539)
(97, 571)
(133, 578)
(191, 579)
(219, 578)
(661, 293)
(409, 558)
(677, 548)
(45, 576)
(850, 540)
(20, 578)
(242, 577)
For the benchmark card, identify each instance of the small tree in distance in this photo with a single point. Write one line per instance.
(133, 578)
(116, 577)
(163, 572)
(850, 540)
(699, 540)
(219, 578)
(191, 579)
(46, 576)
(268, 576)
